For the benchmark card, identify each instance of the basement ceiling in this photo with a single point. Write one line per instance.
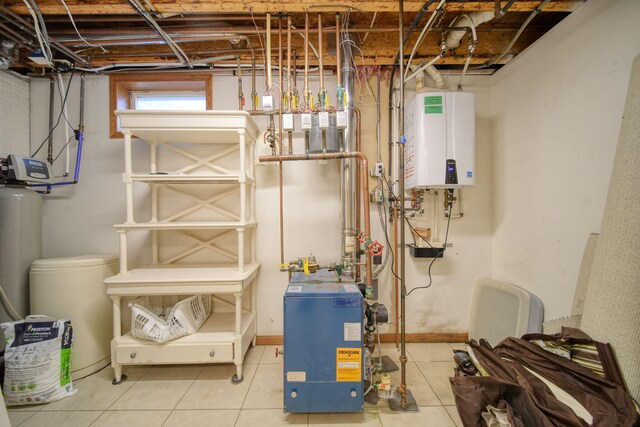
(112, 35)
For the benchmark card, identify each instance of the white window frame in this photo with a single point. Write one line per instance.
(136, 94)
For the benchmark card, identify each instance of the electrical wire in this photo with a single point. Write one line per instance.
(264, 58)
(444, 247)
(383, 224)
(386, 234)
(62, 106)
(63, 147)
(43, 42)
(76, 28)
(515, 37)
(64, 101)
(373, 20)
(424, 31)
(446, 239)
(414, 23)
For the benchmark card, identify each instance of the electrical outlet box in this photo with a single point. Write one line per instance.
(323, 120)
(267, 103)
(341, 119)
(287, 122)
(378, 169)
(376, 196)
(305, 121)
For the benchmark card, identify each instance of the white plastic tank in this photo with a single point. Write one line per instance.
(20, 243)
(72, 288)
(500, 310)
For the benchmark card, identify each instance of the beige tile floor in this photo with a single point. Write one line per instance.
(198, 395)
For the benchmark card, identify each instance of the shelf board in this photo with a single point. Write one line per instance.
(218, 328)
(173, 279)
(233, 178)
(198, 127)
(186, 225)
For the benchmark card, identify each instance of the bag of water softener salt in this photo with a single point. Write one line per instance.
(37, 359)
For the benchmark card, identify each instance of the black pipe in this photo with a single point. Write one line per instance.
(52, 90)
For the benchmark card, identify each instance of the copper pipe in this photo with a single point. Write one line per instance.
(268, 53)
(289, 58)
(338, 59)
(294, 71)
(320, 52)
(358, 179)
(280, 81)
(306, 60)
(364, 167)
(280, 169)
(403, 312)
(395, 276)
(240, 94)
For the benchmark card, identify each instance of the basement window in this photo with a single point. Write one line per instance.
(169, 100)
(158, 91)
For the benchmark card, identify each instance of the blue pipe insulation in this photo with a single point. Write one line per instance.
(76, 172)
(80, 138)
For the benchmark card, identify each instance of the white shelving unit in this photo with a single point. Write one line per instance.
(227, 136)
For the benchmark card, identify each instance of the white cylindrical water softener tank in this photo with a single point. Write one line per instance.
(72, 288)
(20, 243)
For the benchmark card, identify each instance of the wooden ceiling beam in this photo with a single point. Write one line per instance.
(98, 7)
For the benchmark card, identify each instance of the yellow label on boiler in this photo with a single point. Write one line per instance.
(348, 364)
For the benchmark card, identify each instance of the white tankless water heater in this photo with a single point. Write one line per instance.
(440, 140)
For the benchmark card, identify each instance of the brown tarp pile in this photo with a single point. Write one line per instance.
(527, 400)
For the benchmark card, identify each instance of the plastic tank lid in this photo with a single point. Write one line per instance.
(76, 261)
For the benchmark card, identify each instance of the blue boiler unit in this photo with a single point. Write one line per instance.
(323, 348)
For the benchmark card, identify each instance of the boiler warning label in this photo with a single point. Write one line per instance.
(348, 364)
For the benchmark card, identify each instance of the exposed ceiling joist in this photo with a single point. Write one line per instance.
(109, 32)
(83, 7)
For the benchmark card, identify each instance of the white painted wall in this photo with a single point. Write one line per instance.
(557, 110)
(444, 307)
(14, 115)
(79, 219)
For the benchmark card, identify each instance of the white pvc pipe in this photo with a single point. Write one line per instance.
(471, 20)
(435, 76)
(61, 91)
(422, 68)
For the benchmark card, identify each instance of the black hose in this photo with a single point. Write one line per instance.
(412, 27)
(504, 10)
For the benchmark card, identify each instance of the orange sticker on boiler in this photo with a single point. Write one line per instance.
(348, 364)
